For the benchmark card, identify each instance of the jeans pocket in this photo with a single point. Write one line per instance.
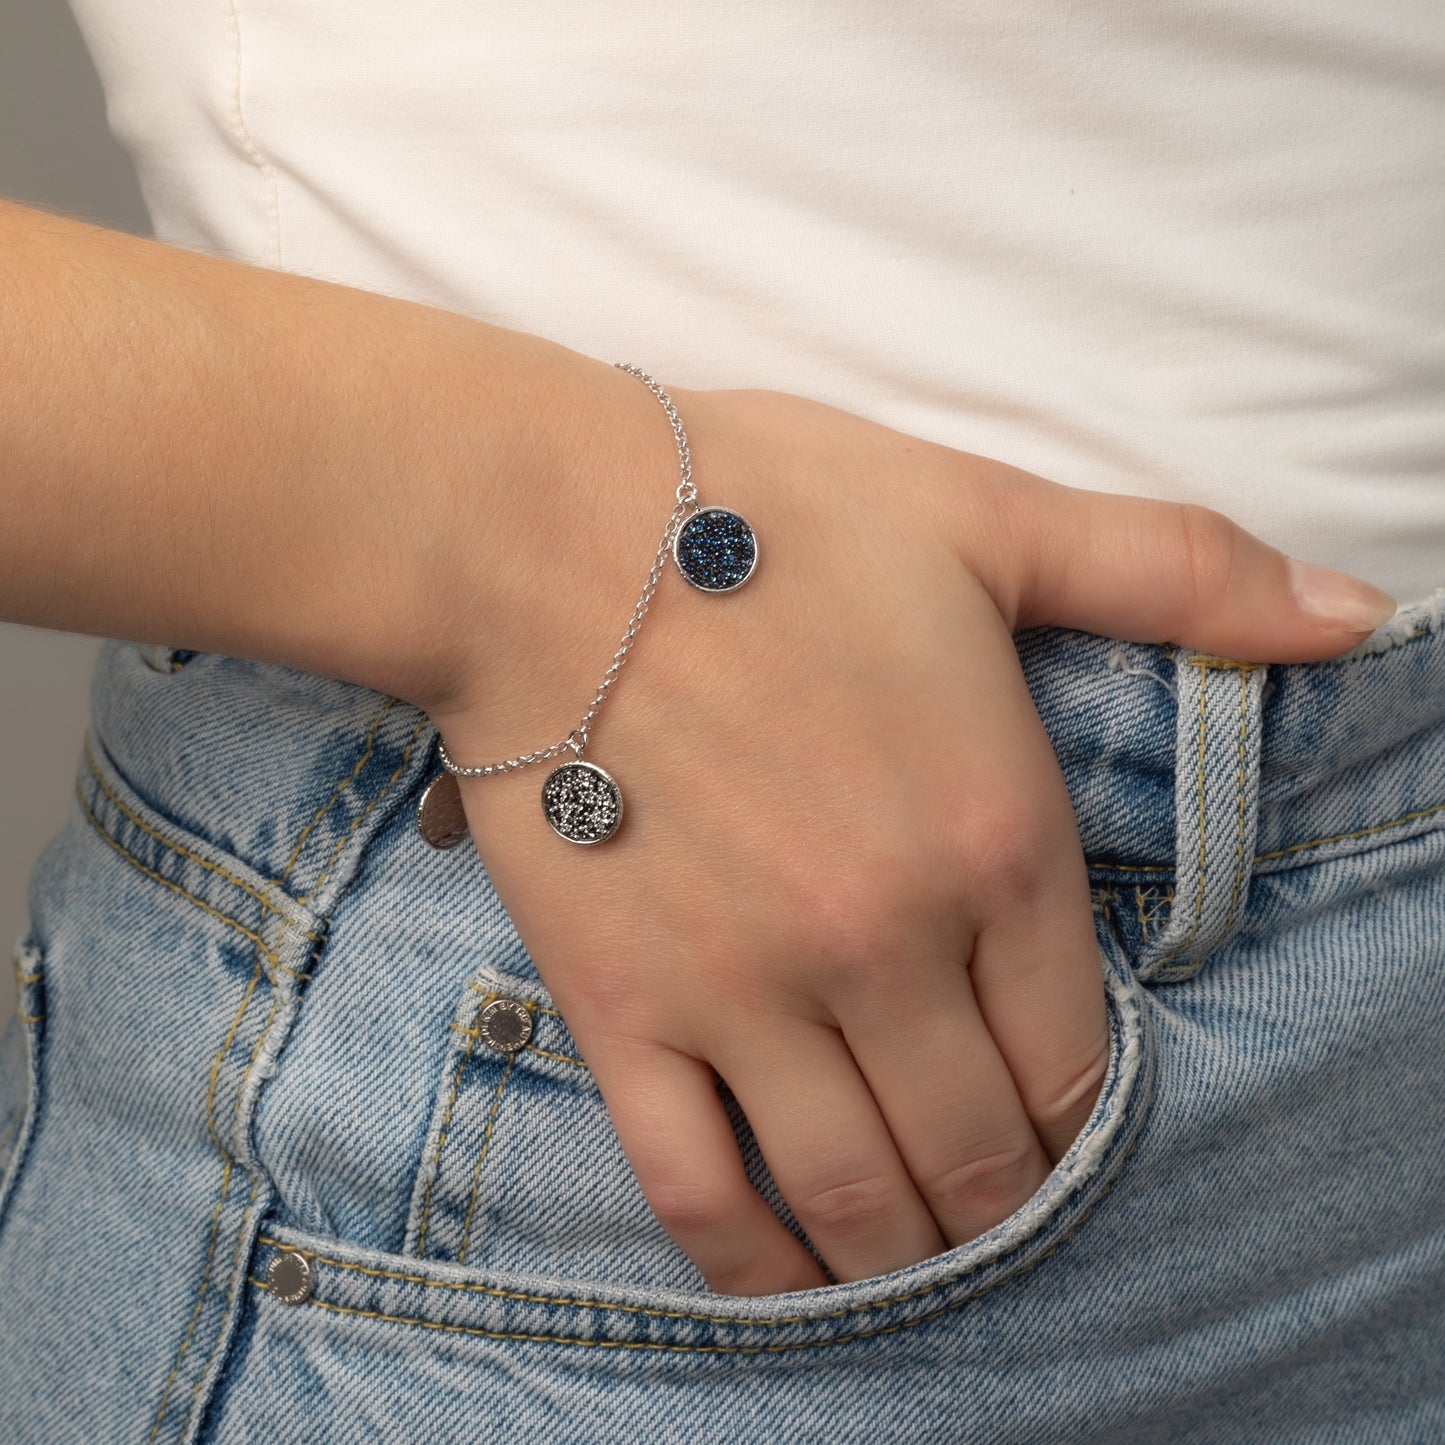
(526, 1223)
(522, 1170)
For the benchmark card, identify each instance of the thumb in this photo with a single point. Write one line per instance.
(1151, 571)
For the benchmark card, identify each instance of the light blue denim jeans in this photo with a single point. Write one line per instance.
(249, 1004)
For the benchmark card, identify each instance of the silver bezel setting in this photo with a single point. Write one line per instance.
(611, 783)
(677, 557)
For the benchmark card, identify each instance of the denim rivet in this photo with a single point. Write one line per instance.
(291, 1277)
(505, 1025)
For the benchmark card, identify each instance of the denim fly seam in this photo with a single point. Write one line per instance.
(1216, 807)
(281, 934)
(30, 1021)
(284, 932)
(324, 859)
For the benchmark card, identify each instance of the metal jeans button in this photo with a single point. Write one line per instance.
(291, 1277)
(505, 1025)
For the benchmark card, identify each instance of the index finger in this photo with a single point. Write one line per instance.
(677, 1136)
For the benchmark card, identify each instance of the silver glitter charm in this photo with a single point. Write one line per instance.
(582, 802)
(716, 549)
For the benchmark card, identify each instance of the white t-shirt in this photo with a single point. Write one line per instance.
(1182, 248)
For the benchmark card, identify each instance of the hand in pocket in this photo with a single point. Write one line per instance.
(849, 879)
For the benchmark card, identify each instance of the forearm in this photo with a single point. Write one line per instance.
(225, 457)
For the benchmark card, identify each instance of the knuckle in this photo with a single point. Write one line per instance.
(993, 1184)
(851, 926)
(998, 523)
(688, 1209)
(1209, 546)
(1067, 1107)
(855, 1210)
(609, 999)
(1008, 855)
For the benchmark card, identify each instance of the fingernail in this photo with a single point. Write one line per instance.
(1336, 599)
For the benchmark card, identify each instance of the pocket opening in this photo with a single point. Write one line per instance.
(546, 1300)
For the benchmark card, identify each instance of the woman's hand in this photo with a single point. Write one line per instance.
(849, 878)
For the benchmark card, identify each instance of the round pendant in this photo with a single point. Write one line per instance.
(582, 802)
(440, 818)
(716, 550)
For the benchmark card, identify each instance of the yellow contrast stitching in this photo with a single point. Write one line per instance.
(442, 1142)
(241, 1085)
(468, 1287)
(32, 1018)
(1151, 903)
(475, 1033)
(482, 1158)
(256, 975)
(28, 977)
(221, 1053)
(1104, 867)
(1223, 664)
(176, 887)
(230, 1295)
(532, 1006)
(200, 1298)
(336, 791)
(180, 848)
(255, 1054)
(491, 993)
(1358, 833)
(716, 1319)
(561, 1058)
(356, 822)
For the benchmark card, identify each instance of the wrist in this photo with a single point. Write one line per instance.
(528, 587)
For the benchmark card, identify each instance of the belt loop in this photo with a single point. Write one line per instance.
(1216, 807)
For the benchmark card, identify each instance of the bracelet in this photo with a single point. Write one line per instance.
(716, 550)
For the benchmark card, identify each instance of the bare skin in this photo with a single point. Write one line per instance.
(849, 880)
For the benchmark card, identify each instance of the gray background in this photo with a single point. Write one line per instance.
(55, 151)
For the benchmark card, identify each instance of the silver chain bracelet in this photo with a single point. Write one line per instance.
(716, 550)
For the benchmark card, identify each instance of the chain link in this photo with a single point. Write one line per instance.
(686, 503)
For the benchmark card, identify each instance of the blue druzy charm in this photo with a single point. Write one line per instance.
(716, 550)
